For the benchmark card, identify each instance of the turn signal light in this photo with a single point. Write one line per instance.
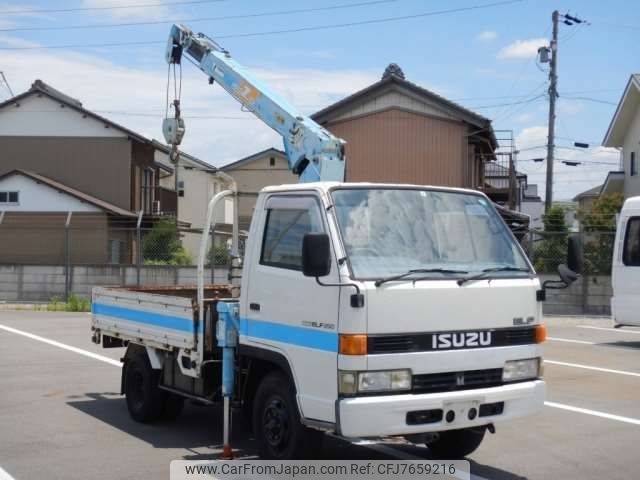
(541, 333)
(353, 344)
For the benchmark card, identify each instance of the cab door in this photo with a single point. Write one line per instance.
(292, 313)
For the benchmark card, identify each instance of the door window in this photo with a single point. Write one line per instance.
(631, 251)
(288, 220)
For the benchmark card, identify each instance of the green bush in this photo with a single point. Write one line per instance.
(162, 246)
(599, 224)
(552, 250)
(75, 304)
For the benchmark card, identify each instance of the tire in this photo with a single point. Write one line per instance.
(276, 422)
(173, 406)
(456, 444)
(145, 401)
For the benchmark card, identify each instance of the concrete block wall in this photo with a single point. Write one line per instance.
(590, 295)
(41, 283)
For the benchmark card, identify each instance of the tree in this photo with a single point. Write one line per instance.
(599, 225)
(162, 246)
(552, 250)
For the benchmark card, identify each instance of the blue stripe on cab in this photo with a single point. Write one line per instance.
(300, 336)
(149, 318)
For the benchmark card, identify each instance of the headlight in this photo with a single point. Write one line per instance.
(521, 369)
(368, 382)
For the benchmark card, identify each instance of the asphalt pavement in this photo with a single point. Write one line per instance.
(61, 414)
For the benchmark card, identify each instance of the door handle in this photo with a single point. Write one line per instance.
(254, 306)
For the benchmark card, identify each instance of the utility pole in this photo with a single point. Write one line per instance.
(553, 94)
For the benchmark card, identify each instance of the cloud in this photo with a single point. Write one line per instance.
(487, 36)
(135, 97)
(568, 181)
(524, 117)
(104, 6)
(522, 48)
(570, 107)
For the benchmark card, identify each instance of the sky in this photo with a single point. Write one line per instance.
(482, 56)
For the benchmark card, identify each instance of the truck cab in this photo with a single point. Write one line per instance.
(394, 309)
(625, 273)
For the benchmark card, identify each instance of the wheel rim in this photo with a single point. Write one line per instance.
(276, 424)
(136, 389)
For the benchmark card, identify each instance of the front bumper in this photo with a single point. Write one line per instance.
(379, 416)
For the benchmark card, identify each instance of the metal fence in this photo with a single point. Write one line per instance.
(547, 250)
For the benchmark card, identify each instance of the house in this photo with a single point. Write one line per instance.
(48, 134)
(37, 213)
(532, 205)
(198, 182)
(399, 132)
(252, 173)
(614, 183)
(624, 134)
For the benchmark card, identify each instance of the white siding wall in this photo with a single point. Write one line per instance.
(632, 144)
(44, 117)
(36, 197)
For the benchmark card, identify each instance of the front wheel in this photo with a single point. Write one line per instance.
(276, 422)
(456, 444)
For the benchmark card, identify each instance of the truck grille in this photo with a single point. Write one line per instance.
(424, 342)
(451, 381)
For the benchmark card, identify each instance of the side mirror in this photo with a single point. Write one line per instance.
(574, 254)
(316, 255)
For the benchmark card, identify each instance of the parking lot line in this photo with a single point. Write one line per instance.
(64, 346)
(568, 340)
(591, 367)
(619, 330)
(595, 413)
(4, 475)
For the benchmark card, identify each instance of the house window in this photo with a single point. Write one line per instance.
(9, 198)
(272, 161)
(147, 191)
(633, 167)
(631, 250)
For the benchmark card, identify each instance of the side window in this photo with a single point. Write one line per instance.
(287, 221)
(631, 250)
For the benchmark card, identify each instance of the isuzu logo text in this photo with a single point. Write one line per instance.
(460, 340)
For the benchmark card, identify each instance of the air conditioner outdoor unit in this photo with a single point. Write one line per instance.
(156, 207)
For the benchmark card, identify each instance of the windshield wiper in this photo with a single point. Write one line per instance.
(487, 271)
(416, 270)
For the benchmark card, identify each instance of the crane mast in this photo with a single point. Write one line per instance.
(314, 154)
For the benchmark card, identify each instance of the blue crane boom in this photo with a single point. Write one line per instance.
(314, 154)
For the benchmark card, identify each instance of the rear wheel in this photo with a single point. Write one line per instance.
(276, 422)
(145, 401)
(455, 444)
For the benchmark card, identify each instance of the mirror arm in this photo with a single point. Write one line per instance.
(357, 299)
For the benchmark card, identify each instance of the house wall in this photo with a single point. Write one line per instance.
(35, 197)
(40, 116)
(251, 177)
(40, 238)
(98, 166)
(632, 144)
(404, 147)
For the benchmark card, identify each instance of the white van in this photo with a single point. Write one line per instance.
(625, 277)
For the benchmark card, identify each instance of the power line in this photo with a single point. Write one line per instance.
(589, 99)
(198, 19)
(4, 80)
(115, 7)
(278, 32)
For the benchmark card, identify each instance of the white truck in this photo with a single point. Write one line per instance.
(365, 310)
(625, 274)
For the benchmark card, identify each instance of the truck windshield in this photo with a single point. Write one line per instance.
(389, 232)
